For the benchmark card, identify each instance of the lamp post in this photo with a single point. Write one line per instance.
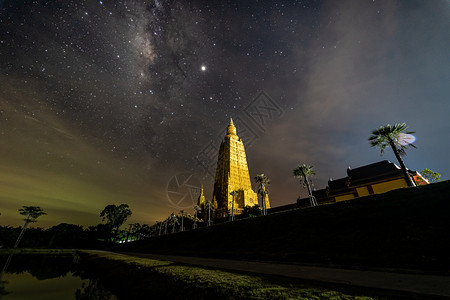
(263, 182)
(165, 226)
(182, 219)
(196, 209)
(209, 204)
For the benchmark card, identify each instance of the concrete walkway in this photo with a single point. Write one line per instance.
(432, 285)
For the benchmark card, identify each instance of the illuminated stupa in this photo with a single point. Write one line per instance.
(232, 175)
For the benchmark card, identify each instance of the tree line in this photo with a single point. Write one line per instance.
(66, 235)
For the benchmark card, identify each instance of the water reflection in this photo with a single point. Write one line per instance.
(93, 290)
(31, 276)
(3, 291)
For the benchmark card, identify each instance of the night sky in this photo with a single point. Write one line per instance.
(110, 102)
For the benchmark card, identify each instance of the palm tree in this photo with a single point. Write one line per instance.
(233, 194)
(174, 222)
(263, 182)
(196, 210)
(304, 172)
(32, 213)
(388, 136)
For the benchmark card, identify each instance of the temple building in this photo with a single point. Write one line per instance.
(232, 175)
(371, 179)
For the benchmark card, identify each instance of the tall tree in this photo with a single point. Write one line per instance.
(174, 222)
(115, 216)
(32, 213)
(263, 181)
(390, 136)
(304, 172)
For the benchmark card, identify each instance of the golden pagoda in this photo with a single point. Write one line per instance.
(232, 175)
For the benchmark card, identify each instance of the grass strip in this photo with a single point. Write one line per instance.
(132, 277)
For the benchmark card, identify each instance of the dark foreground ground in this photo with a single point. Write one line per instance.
(402, 229)
(147, 276)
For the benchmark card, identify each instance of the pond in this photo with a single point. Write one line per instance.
(31, 276)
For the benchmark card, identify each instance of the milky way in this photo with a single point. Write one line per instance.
(109, 101)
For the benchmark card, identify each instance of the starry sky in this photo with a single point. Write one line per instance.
(110, 102)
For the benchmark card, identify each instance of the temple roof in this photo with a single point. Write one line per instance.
(370, 174)
(377, 171)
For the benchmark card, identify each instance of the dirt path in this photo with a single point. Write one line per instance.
(415, 283)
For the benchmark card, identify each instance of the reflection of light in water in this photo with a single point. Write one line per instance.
(406, 139)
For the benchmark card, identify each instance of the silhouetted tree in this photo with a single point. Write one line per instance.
(251, 211)
(115, 216)
(32, 213)
(66, 236)
(173, 222)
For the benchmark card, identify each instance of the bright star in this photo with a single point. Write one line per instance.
(203, 68)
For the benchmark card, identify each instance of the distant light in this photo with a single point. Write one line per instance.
(203, 68)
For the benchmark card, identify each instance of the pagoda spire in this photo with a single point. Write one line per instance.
(231, 129)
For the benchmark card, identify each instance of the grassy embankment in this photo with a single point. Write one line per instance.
(136, 278)
(405, 228)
